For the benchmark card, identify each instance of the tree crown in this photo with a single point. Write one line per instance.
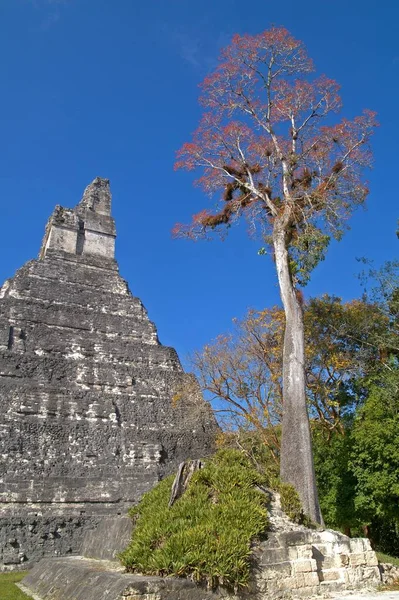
(268, 144)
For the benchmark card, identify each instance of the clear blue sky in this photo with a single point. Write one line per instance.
(109, 88)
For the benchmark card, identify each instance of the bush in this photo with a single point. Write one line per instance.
(290, 502)
(207, 533)
(252, 445)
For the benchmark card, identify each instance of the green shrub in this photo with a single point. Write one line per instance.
(207, 533)
(292, 505)
(290, 502)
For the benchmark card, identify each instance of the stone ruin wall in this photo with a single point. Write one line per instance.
(294, 562)
(87, 422)
(307, 563)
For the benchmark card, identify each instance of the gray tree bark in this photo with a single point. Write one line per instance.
(183, 476)
(296, 466)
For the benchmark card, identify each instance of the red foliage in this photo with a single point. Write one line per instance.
(265, 141)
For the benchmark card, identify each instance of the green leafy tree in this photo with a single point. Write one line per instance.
(345, 343)
(335, 480)
(375, 452)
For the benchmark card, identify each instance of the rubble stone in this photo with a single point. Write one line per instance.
(389, 573)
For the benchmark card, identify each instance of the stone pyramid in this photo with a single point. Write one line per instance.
(92, 412)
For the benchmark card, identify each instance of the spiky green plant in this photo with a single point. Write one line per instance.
(207, 534)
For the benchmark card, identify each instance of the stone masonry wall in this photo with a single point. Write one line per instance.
(298, 562)
(87, 421)
(306, 563)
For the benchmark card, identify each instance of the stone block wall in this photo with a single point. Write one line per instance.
(26, 538)
(306, 562)
(77, 577)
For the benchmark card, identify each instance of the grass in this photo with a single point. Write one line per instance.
(207, 533)
(8, 589)
(385, 558)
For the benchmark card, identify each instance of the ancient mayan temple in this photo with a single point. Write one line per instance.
(88, 417)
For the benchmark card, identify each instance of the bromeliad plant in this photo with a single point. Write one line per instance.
(208, 532)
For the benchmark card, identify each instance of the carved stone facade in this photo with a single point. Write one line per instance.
(87, 419)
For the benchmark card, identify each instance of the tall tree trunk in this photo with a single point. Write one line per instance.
(296, 466)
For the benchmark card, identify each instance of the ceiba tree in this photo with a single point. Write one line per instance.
(268, 144)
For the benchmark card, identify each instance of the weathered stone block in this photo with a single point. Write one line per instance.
(283, 569)
(328, 562)
(96, 580)
(327, 587)
(351, 576)
(304, 566)
(274, 555)
(295, 538)
(332, 575)
(129, 596)
(344, 559)
(310, 579)
(108, 539)
(321, 550)
(358, 559)
(305, 551)
(304, 592)
(359, 545)
(371, 558)
(371, 574)
(277, 585)
(327, 536)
